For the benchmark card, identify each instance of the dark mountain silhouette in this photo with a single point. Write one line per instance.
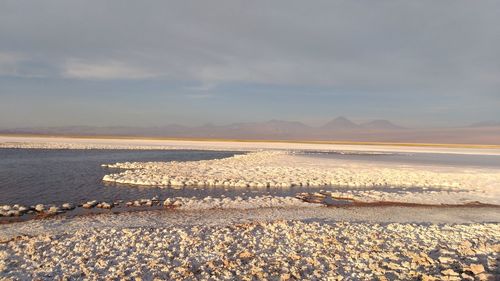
(341, 123)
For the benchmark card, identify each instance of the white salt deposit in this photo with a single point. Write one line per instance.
(96, 143)
(178, 203)
(279, 169)
(278, 250)
(236, 203)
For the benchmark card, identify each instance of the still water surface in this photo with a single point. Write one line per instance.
(31, 176)
(426, 159)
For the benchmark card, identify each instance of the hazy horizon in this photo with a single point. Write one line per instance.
(118, 63)
(338, 129)
(312, 124)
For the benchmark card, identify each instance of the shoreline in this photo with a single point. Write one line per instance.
(181, 217)
(59, 142)
(80, 212)
(304, 141)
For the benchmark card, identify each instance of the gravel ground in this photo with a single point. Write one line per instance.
(278, 250)
(259, 244)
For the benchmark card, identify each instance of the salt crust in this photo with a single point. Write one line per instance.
(280, 169)
(279, 250)
(148, 144)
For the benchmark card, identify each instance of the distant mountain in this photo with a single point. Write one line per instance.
(381, 125)
(272, 128)
(341, 129)
(269, 129)
(341, 123)
(283, 127)
(98, 131)
(490, 123)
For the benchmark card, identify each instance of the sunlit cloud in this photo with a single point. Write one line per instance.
(9, 63)
(81, 69)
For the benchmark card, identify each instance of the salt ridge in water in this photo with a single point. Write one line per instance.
(275, 169)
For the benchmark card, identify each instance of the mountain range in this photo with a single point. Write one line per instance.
(339, 128)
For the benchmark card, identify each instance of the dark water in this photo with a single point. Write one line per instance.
(439, 159)
(30, 176)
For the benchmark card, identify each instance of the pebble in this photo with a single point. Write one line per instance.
(449, 272)
(13, 213)
(39, 207)
(53, 210)
(105, 205)
(67, 206)
(445, 259)
(475, 268)
(90, 204)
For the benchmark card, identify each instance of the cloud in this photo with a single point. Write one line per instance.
(373, 57)
(9, 63)
(19, 65)
(80, 69)
(421, 46)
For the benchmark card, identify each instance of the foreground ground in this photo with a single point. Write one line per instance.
(272, 244)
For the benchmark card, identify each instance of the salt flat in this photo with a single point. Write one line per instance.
(264, 237)
(271, 167)
(278, 169)
(275, 244)
(132, 143)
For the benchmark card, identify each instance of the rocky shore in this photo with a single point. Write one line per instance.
(180, 203)
(276, 250)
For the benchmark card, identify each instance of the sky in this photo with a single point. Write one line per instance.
(151, 63)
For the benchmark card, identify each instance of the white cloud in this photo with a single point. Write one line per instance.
(9, 63)
(105, 70)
